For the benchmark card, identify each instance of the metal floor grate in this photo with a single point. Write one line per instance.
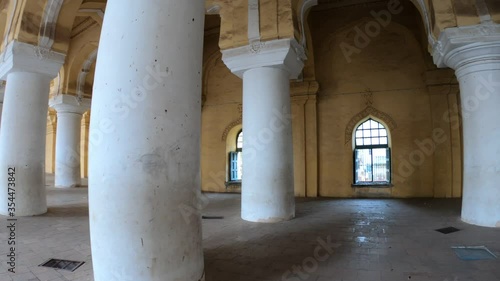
(212, 217)
(474, 253)
(63, 264)
(447, 230)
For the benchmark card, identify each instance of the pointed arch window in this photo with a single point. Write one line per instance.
(239, 141)
(236, 160)
(372, 154)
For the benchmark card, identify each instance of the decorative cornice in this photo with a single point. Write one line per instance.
(439, 77)
(212, 10)
(367, 112)
(98, 12)
(22, 57)
(460, 46)
(82, 27)
(304, 88)
(69, 104)
(231, 125)
(285, 54)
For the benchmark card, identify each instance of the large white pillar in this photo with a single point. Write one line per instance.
(144, 155)
(476, 60)
(70, 111)
(2, 94)
(24, 122)
(267, 183)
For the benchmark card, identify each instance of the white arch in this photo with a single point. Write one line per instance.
(426, 18)
(306, 6)
(80, 84)
(47, 31)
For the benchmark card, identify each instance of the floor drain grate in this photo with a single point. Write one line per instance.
(474, 253)
(63, 264)
(212, 217)
(447, 230)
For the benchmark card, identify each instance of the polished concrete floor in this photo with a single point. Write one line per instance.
(331, 239)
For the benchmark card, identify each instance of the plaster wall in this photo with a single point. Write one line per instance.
(220, 113)
(388, 75)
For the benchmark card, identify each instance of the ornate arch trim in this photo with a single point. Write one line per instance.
(368, 111)
(231, 125)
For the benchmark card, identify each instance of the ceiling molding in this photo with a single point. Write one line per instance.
(82, 27)
(96, 14)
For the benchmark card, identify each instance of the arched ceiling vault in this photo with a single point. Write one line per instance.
(53, 23)
(66, 26)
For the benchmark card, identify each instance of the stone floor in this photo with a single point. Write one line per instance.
(360, 240)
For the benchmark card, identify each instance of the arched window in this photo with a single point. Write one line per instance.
(235, 159)
(372, 154)
(239, 141)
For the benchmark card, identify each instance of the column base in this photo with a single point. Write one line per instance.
(477, 223)
(67, 187)
(267, 220)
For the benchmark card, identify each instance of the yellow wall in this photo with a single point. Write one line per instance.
(392, 79)
(221, 112)
(84, 144)
(389, 75)
(50, 147)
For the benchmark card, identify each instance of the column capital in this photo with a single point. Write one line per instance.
(22, 57)
(69, 104)
(285, 54)
(461, 47)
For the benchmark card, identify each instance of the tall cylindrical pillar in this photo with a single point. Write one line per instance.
(144, 155)
(69, 119)
(267, 183)
(478, 72)
(22, 143)
(473, 52)
(2, 94)
(28, 73)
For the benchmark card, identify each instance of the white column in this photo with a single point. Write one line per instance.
(267, 183)
(69, 119)
(24, 125)
(145, 143)
(475, 58)
(2, 94)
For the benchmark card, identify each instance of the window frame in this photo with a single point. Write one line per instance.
(239, 149)
(371, 147)
(237, 153)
